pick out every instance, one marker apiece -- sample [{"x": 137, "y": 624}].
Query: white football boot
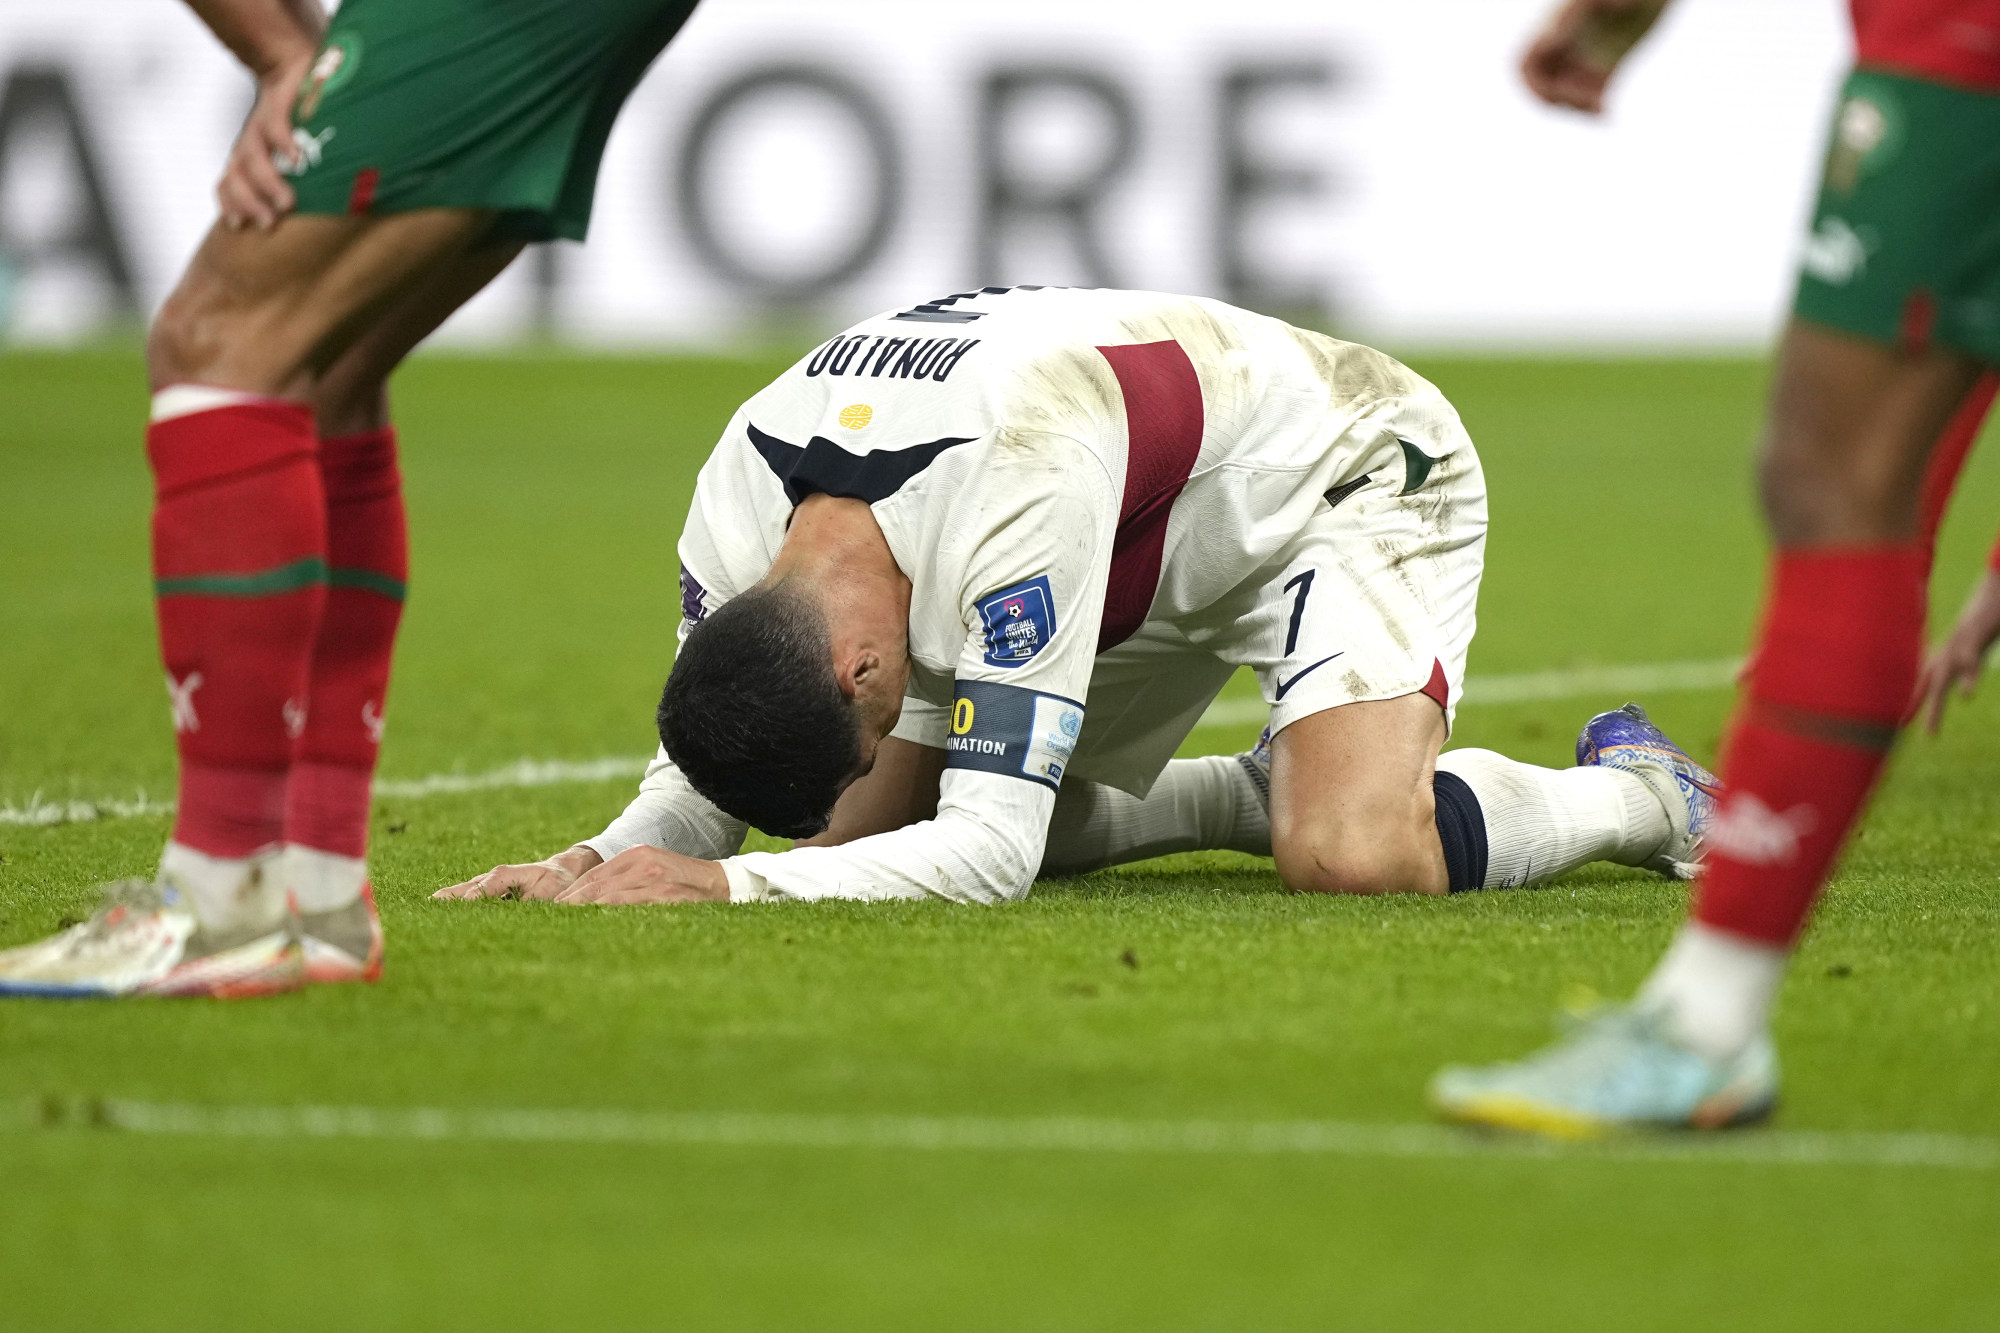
[
  {"x": 205, "y": 926},
  {"x": 338, "y": 923},
  {"x": 1618, "y": 1070}
]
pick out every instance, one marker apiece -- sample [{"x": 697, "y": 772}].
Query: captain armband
[{"x": 1009, "y": 730}]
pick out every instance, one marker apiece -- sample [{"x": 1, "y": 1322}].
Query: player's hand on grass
[
  {"x": 253, "y": 192},
  {"x": 1575, "y": 54},
  {"x": 649, "y": 875},
  {"x": 541, "y": 880},
  {"x": 1958, "y": 660}
]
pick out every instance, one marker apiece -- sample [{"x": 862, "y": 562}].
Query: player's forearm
[
  {"x": 961, "y": 856},
  {"x": 264, "y": 34},
  {"x": 1574, "y": 56}
]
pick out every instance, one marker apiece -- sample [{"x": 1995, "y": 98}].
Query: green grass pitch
[{"x": 546, "y": 495}]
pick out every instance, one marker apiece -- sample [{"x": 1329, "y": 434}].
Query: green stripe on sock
[
  {"x": 369, "y": 580},
  {"x": 285, "y": 578}
]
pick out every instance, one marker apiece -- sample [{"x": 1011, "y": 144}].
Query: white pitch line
[
  {"x": 1326, "y": 1138},
  {"x": 38, "y": 812},
  {"x": 520, "y": 773},
  {"x": 1650, "y": 678}
]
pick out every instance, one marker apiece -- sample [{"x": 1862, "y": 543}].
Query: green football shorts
[
  {"x": 500, "y": 104},
  {"x": 1905, "y": 241}
]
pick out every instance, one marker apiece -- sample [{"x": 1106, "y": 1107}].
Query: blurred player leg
[
  {"x": 420, "y": 131},
  {"x": 1881, "y": 386},
  {"x": 1854, "y": 425},
  {"x": 1882, "y": 381},
  {"x": 241, "y": 525},
  {"x": 1948, "y": 458},
  {"x": 333, "y": 758}
]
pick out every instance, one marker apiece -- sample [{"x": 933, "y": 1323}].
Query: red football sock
[
  {"x": 1836, "y": 664},
  {"x": 333, "y": 761},
  {"x": 239, "y": 566}
]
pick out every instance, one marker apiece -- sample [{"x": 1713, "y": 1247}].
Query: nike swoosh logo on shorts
[{"x": 1285, "y": 685}]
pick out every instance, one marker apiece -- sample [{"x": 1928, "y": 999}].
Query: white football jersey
[{"x": 1074, "y": 482}]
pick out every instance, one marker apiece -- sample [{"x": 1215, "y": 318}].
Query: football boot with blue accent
[
  {"x": 1627, "y": 740},
  {"x": 1256, "y": 762},
  {"x": 1617, "y": 1071}
]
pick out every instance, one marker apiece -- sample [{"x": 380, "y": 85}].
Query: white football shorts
[{"x": 1375, "y": 599}]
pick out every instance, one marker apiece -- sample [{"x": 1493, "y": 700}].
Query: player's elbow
[
  {"x": 998, "y": 866},
  {"x": 1005, "y": 879}
]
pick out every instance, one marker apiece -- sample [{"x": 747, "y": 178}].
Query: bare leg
[
  {"x": 1351, "y": 804},
  {"x": 351, "y": 394},
  {"x": 1853, "y": 425},
  {"x": 329, "y": 789},
  {"x": 1851, "y": 428},
  {"x": 243, "y": 529},
  {"x": 269, "y": 312}
]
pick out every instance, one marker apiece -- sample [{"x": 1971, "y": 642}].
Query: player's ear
[{"x": 857, "y": 672}]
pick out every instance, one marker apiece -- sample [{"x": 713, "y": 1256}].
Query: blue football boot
[
  {"x": 1618, "y": 1071},
  {"x": 1626, "y": 739}
]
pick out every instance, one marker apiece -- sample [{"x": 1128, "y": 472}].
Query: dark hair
[{"x": 754, "y": 717}]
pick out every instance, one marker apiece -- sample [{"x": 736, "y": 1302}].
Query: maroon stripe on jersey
[
  {"x": 1437, "y": 688},
  {"x": 1163, "y": 419}
]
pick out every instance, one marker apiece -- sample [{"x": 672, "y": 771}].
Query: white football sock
[
  {"x": 321, "y": 881},
  {"x": 1715, "y": 989},
  {"x": 1544, "y": 822},
  {"x": 1196, "y": 805},
  {"x": 226, "y": 892}
]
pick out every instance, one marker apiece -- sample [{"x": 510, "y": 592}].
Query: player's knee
[
  {"x": 1817, "y": 487},
  {"x": 1331, "y": 862},
  {"x": 203, "y": 334},
  {"x": 175, "y": 344}
]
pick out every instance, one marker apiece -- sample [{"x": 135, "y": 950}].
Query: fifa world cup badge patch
[{"x": 1019, "y": 622}]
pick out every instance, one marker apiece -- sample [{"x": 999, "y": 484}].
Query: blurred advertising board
[{"x": 787, "y": 166}]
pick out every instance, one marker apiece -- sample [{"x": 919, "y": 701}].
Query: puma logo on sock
[
  {"x": 1751, "y": 832},
  {"x": 180, "y": 694}
]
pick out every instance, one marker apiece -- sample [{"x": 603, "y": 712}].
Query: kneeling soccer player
[{"x": 958, "y": 583}]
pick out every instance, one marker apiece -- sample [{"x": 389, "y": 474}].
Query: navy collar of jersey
[{"x": 824, "y": 468}]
